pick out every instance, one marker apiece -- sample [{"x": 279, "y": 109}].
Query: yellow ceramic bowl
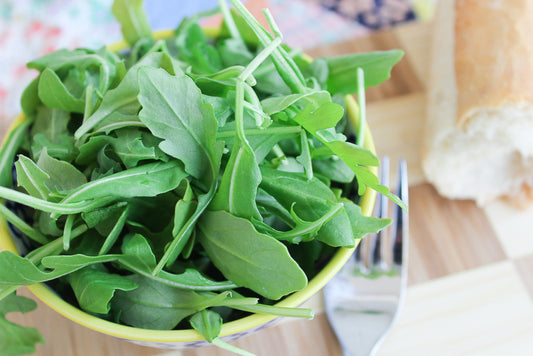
[{"x": 190, "y": 338}]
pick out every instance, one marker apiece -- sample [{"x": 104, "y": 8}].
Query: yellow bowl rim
[{"x": 249, "y": 322}]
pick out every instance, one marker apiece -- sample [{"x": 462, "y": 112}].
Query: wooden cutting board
[{"x": 470, "y": 283}]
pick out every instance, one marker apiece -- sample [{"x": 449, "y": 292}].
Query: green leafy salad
[{"x": 186, "y": 181}]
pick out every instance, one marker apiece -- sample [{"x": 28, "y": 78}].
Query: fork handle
[{"x": 371, "y": 352}]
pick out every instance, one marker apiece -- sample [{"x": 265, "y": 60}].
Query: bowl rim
[{"x": 48, "y": 297}]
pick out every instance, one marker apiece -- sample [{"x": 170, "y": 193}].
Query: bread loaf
[{"x": 479, "y": 133}]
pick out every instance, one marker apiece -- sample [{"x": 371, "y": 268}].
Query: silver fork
[{"x": 363, "y": 300}]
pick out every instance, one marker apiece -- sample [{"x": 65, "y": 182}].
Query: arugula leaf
[
  {"x": 130, "y": 145},
  {"x": 107, "y": 165},
  {"x": 8, "y": 151},
  {"x": 274, "y": 104},
  {"x": 194, "y": 49},
  {"x": 46, "y": 224},
  {"x": 342, "y": 77},
  {"x": 268, "y": 204},
  {"x": 183, "y": 211},
  {"x": 71, "y": 263},
  {"x": 94, "y": 288},
  {"x": 186, "y": 230},
  {"x": 157, "y": 306},
  {"x": 16, "y": 339},
  {"x": 303, "y": 230},
  {"x": 50, "y": 131},
  {"x": 52, "y": 123},
  {"x": 133, "y": 19},
  {"x": 356, "y": 157},
  {"x": 233, "y": 52},
  {"x": 20, "y": 224},
  {"x": 32, "y": 178},
  {"x": 181, "y": 121},
  {"x": 63, "y": 175},
  {"x": 103, "y": 219},
  {"x": 232, "y": 18},
  {"x": 172, "y": 108},
  {"x": 305, "y": 157},
  {"x": 241, "y": 177},
  {"x": 334, "y": 169},
  {"x": 120, "y": 106},
  {"x": 155, "y": 213},
  {"x": 51, "y": 207},
  {"x": 139, "y": 258},
  {"x": 353, "y": 155},
  {"x": 257, "y": 261},
  {"x": 221, "y": 108},
  {"x": 310, "y": 199},
  {"x": 113, "y": 235},
  {"x": 29, "y": 100},
  {"x": 78, "y": 63},
  {"x": 209, "y": 324},
  {"x": 146, "y": 180},
  {"x": 361, "y": 224},
  {"x": 135, "y": 245},
  {"x": 54, "y": 93},
  {"x": 238, "y": 187},
  {"x": 261, "y": 141},
  {"x": 285, "y": 66},
  {"x": 64, "y": 58},
  {"x": 18, "y": 271},
  {"x": 62, "y": 148},
  {"x": 238, "y": 303},
  {"x": 319, "y": 120}
]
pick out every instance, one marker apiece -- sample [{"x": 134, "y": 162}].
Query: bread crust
[
  {"x": 478, "y": 140},
  {"x": 493, "y": 54}
]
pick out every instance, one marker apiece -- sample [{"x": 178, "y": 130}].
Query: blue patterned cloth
[{"x": 374, "y": 14}]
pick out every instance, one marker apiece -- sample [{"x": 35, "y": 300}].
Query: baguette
[{"x": 479, "y": 130}]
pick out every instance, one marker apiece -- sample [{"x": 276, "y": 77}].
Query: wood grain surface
[{"x": 469, "y": 280}]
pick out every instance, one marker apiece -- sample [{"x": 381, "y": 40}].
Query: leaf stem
[
  {"x": 20, "y": 224},
  {"x": 260, "y": 58},
  {"x": 7, "y": 291},
  {"x": 55, "y": 246},
  {"x": 8, "y": 151},
  {"x": 229, "y": 347},
  {"x": 272, "y": 23},
  {"x": 37, "y": 255},
  {"x": 292, "y": 78},
  {"x": 88, "y": 101},
  {"x": 253, "y": 105},
  {"x": 294, "y": 233},
  {"x": 228, "y": 19},
  {"x": 239, "y": 110},
  {"x": 67, "y": 232},
  {"x": 276, "y": 149},
  {"x": 362, "y": 106},
  {"x": 279, "y": 311},
  {"x": 279, "y": 130},
  {"x": 115, "y": 232},
  {"x": 133, "y": 267},
  {"x": 228, "y": 302},
  {"x": 50, "y": 207},
  {"x": 203, "y": 202}
]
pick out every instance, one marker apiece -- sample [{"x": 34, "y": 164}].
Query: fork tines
[{"x": 384, "y": 252}]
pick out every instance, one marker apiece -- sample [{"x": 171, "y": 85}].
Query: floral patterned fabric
[
  {"x": 32, "y": 28},
  {"x": 29, "y": 29}
]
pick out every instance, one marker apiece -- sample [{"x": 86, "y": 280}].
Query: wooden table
[{"x": 470, "y": 279}]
